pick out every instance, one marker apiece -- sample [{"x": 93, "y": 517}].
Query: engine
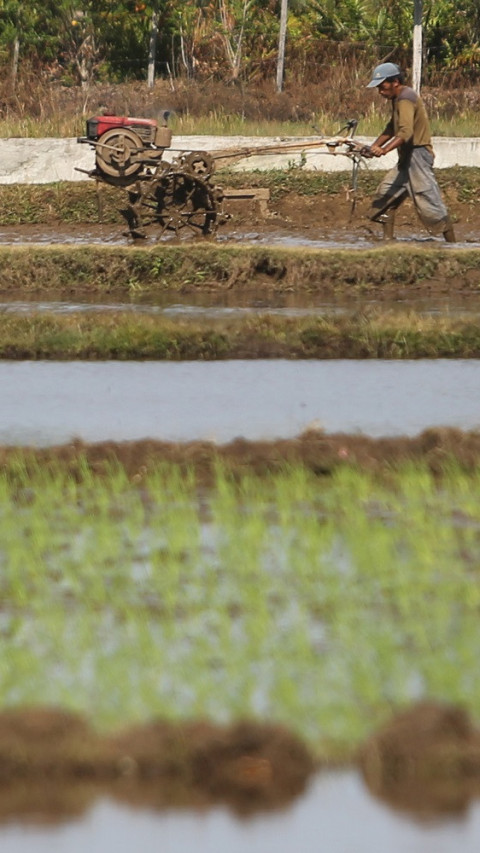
[{"x": 124, "y": 146}]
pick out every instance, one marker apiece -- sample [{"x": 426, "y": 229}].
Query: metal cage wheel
[{"x": 200, "y": 163}]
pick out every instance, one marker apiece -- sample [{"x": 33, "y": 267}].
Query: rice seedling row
[{"x": 322, "y": 603}]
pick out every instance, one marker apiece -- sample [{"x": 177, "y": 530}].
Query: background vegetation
[
  {"x": 217, "y": 59},
  {"x": 230, "y": 39}
]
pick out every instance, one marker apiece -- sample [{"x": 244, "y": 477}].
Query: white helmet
[{"x": 382, "y": 72}]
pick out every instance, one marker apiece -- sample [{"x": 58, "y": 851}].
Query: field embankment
[
  {"x": 122, "y": 336},
  {"x": 126, "y": 270}
]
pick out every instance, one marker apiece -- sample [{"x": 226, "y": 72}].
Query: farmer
[{"x": 408, "y": 131}]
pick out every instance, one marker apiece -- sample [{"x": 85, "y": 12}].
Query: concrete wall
[{"x": 40, "y": 161}]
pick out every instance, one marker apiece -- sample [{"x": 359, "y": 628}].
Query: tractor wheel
[{"x": 175, "y": 199}]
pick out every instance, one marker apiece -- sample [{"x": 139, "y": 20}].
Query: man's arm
[
  {"x": 385, "y": 143},
  {"x": 376, "y": 148}
]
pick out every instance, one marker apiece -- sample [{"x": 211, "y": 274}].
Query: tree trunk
[
  {"x": 417, "y": 45},
  {"x": 152, "y": 48},
  {"x": 281, "y": 44},
  {"x": 15, "y": 54}
]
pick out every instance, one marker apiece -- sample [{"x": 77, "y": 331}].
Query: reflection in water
[
  {"x": 336, "y": 816},
  {"x": 45, "y": 403},
  {"x": 231, "y": 305}
]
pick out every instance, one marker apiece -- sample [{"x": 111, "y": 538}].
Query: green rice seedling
[{"x": 319, "y": 602}]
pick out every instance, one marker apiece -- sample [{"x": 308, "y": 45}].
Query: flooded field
[
  {"x": 323, "y": 601},
  {"x": 268, "y": 232},
  {"x": 320, "y": 602},
  {"x": 281, "y": 237},
  {"x": 52, "y": 402}
]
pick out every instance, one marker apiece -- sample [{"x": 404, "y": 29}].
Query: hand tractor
[{"x": 182, "y": 193}]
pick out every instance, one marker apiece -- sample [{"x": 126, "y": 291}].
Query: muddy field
[
  {"x": 336, "y": 219},
  {"x": 330, "y": 219},
  {"x": 309, "y": 242}
]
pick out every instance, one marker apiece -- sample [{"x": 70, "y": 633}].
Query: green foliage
[
  {"x": 36, "y": 25},
  {"x": 453, "y": 35},
  {"x": 233, "y": 39},
  {"x": 123, "y": 26}
]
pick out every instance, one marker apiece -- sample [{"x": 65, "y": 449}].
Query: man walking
[{"x": 408, "y": 131}]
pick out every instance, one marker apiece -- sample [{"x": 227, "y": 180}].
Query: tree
[
  {"x": 119, "y": 39},
  {"x": 33, "y": 26},
  {"x": 152, "y": 49},
  {"x": 233, "y": 18}
]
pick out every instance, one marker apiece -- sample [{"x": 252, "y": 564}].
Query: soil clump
[
  {"x": 54, "y": 763},
  {"x": 426, "y": 760}
]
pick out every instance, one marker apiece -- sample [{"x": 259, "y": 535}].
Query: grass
[
  {"x": 370, "y": 124},
  {"x": 214, "y": 267},
  {"x": 224, "y": 123},
  {"x": 321, "y": 604},
  {"x": 121, "y": 336}
]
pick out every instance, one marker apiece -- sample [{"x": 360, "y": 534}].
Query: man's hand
[
  {"x": 366, "y": 151},
  {"x": 377, "y": 151}
]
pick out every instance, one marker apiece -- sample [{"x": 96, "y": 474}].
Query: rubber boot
[
  {"x": 448, "y": 231},
  {"x": 388, "y": 225}
]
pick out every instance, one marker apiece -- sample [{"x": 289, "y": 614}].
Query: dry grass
[{"x": 39, "y": 108}]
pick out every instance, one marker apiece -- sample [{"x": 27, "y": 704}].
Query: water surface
[
  {"x": 336, "y": 816},
  {"x": 45, "y": 403},
  {"x": 230, "y": 305}
]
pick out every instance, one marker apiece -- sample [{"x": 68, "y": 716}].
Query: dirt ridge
[{"x": 322, "y": 453}]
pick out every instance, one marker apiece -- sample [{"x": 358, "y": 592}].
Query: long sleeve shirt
[{"x": 409, "y": 122}]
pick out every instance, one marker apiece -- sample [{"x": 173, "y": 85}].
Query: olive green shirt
[{"x": 409, "y": 122}]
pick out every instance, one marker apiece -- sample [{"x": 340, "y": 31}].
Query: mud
[
  {"x": 317, "y": 451},
  {"x": 337, "y": 218},
  {"x": 54, "y": 765},
  {"x": 205, "y": 307},
  {"x": 292, "y": 219},
  {"x": 426, "y": 760},
  {"x": 333, "y": 221},
  {"x": 306, "y": 245}
]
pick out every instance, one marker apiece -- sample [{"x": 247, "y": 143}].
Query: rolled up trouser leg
[{"x": 390, "y": 194}]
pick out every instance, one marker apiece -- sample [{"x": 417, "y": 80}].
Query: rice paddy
[{"x": 322, "y": 603}]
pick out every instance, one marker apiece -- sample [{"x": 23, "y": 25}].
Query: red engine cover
[
  {"x": 108, "y": 121},
  {"x": 145, "y": 127}
]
